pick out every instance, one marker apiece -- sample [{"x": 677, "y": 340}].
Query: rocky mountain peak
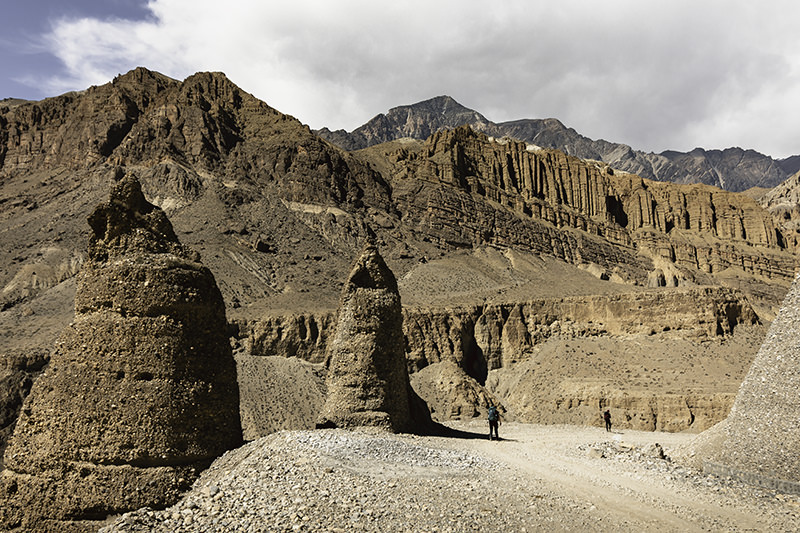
[
  {"x": 417, "y": 121},
  {"x": 144, "y": 80}
]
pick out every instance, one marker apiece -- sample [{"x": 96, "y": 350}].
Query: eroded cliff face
[
  {"x": 783, "y": 202},
  {"x": 482, "y": 339},
  {"x": 455, "y": 183}
]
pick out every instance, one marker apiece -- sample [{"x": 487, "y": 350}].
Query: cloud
[{"x": 654, "y": 75}]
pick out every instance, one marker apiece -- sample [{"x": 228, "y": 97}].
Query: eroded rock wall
[
  {"x": 456, "y": 183},
  {"x": 485, "y": 338}
]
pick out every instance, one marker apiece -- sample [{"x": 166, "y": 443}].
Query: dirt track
[{"x": 627, "y": 490}]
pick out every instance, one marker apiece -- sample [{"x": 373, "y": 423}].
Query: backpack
[{"x": 493, "y": 416}]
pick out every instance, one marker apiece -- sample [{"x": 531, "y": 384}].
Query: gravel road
[{"x": 538, "y": 478}]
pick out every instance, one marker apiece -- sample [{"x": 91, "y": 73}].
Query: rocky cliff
[
  {"x": 507, "y": 338},
  {"x": 783, "y": 202},
  {"x": 732, "y": 169},
  {"x": 467, "y": 189}
]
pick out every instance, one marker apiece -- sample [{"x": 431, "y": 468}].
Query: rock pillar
[
  {"x": 140, "y": 394},
  {"x": 368, "y": 382}
]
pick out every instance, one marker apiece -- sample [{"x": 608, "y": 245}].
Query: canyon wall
[
  {"x": 482, "y": 339},
  {"x": 455, "y": 183}
]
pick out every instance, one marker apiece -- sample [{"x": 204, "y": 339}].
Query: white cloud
[{"x": 654, "y": 75}]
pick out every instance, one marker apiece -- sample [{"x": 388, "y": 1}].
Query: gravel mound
[{"x": 337, "y": 480}]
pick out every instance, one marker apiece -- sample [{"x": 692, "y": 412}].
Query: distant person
[
  {"x": 607, "y": 418},
  {"x": 494, "y": 421}
]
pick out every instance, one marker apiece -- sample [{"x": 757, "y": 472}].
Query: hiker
[
  {"x": 494, "y": 421},
  {"x": 607, "y": 418}
]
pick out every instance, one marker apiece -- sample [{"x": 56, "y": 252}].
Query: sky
[{"x": 657, "y": 75}]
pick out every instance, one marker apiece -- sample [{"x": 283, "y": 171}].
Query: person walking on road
[{"x": 494, "y": 421}]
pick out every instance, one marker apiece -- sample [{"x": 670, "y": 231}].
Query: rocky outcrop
[
  {"x": 759, "y": 439},
  {"x": 305, "y": 336},
  {"x": 451, "y": 394},
  {"x": 140, "y": 394},
  {"x": 367, "y": 377}
]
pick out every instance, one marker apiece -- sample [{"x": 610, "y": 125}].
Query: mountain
[
  {"x": 733, "y": 169},
  {"x": 418, "y": 121},
  {"x": 502, "y": 249}
]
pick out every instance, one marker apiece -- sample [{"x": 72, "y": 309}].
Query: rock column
[
  {"x": 140, "y": 394},
  {"x": 367, "y": 379}
]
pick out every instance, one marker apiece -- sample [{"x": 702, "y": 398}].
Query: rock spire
[
  {"x": 762, "y": 432},
  {"x": 368, "y": 382},
  {"x": 140, "y": 394}
]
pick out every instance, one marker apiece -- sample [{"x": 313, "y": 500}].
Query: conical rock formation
[
  {"x": 367, "y": 379},
  {"x": 140, "y": 394},
  {"x": 760, "y": 440}
]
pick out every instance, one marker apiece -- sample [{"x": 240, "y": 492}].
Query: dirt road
[
  {"x": 537, "y": 478},
  {"x": 619, "y": 479}
]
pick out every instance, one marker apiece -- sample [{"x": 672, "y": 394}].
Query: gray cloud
[{"x": 660, "y": 75}]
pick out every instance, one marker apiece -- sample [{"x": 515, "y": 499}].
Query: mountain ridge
[{"x": 733, "y": 169}]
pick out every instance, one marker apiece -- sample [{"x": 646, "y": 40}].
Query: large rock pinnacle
[
  {"x": 368, "y": 381},
  {"x": 140, "y": 394},
  {"x": 763, "y": 428}
]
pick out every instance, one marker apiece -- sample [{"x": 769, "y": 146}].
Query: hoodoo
[
  {"x": 140, "y": 394},
  {"x": 368, "y": 382},
  {"x": 760, "y": 439}
]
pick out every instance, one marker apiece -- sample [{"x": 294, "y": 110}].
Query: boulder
[{"x": 140, "y": 394}]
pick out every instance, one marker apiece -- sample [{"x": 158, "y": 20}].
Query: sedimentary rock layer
[
  {"x": 455, "y": 184},
  {"x": 485, "y": 338},
  {"x": 503, "y": 332}
]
